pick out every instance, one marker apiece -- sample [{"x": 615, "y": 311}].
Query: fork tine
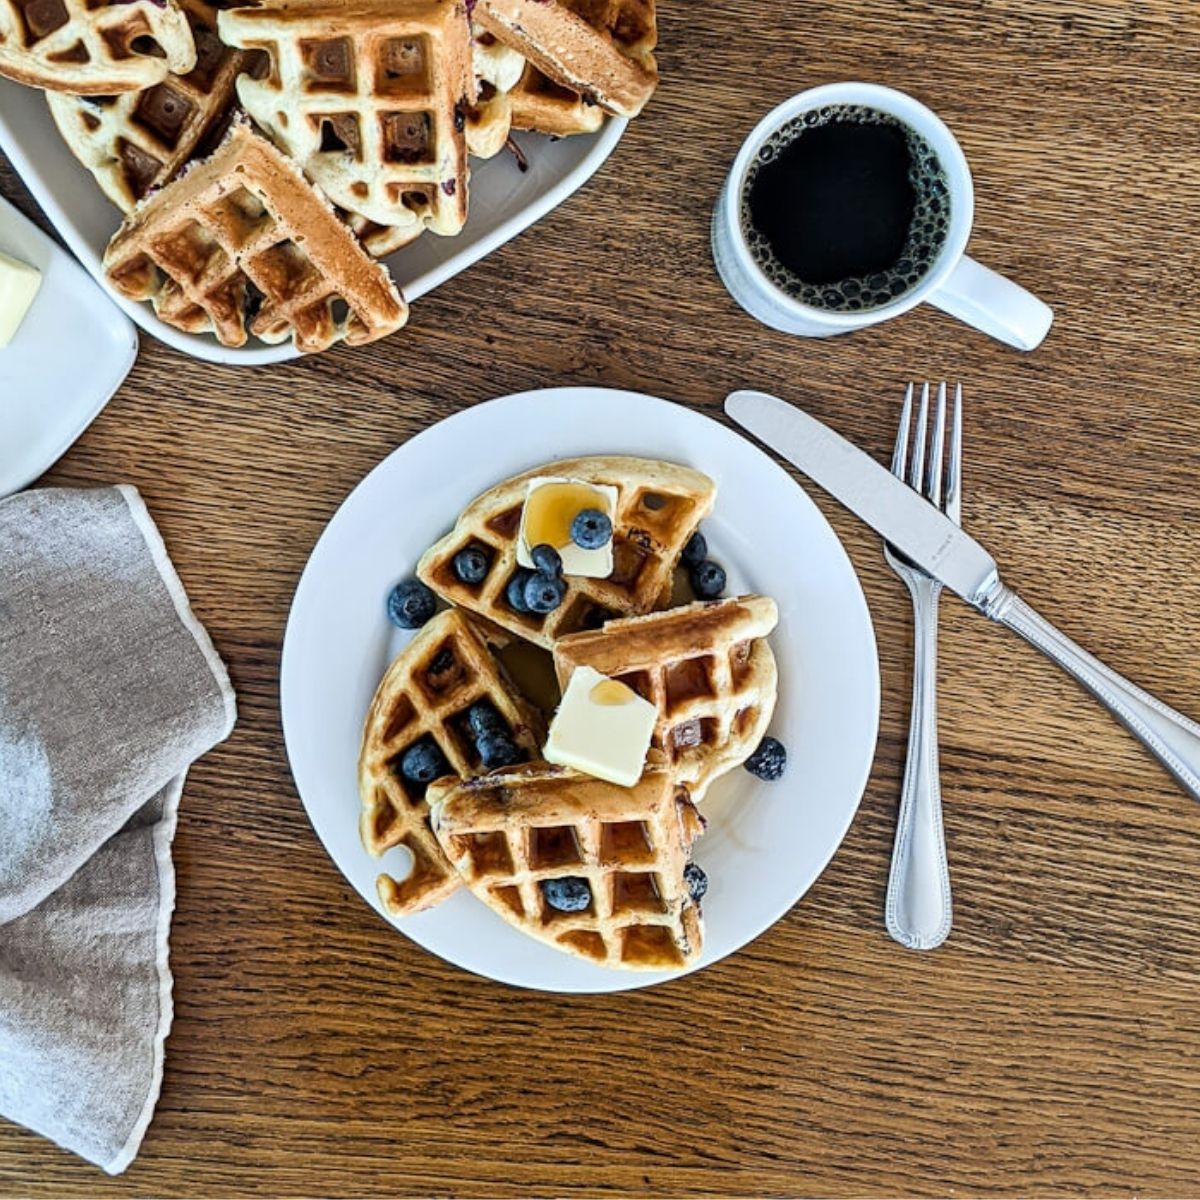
[
  {"x": 900, "y": 453},
  {"x": 953, "y": 505},
  {"x": 937, "y": 446},
  {"x": 916, "y": 469}
]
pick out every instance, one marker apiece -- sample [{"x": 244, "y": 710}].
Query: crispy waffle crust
[
  {"x": 509, "y": 831},
  {"x": 539, "y": 104},
  {"x": 381, "y": 240},
  {"x": 514, "y": 94},
  {"x": 426, "y": 692},
  {"x": 134, "y": 141},
  {"x": 602, "y": 49},
  {"x": 94, "y": 47},
  {"x": 370, "y": 97},
  {"x": 244, "y": 228},
  {"x": 659, "y": 506},
  {"x": 707, "y": 668}
]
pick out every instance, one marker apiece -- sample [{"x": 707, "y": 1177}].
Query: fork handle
[
  {"x": 1170, "y": 736},
  {"x": 917, "y": 911}
]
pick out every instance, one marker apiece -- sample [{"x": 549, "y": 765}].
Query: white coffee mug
[{"x": 955, "y": 283}]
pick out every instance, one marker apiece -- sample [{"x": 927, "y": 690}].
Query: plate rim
[{"x": 628, "y": 980}]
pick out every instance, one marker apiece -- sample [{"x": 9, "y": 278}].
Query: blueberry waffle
[
  {"x": 658, "y": 507},
  {"x": 587, "y": 867},
  {"x": 134, "y": 141},
  {"x": 498, "y": 69},
  {"x": 370, "y": 97},
  {"x": 445, "y": 706},
  {"x": 601, "y": 49},
  {"x": 539, "y": 104}
]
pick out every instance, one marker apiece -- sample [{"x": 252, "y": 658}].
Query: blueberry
[
  {"x": 696, "y": 551},
  {"x": 544, "y": 593},
  {"x": 546, "y": 560},
  {"x": 591, "y": 529},
  {"x": 498, "y": 750},
  {"x": 484, "y": 720},
  {"x": 411, "y": 604},
  {"x": 471, "y": 564},
  {"x": 769, "y": 760},
  {"x": 515, "y": 592},
  {"x": 696, "y": 881},
  {"x": 569, "y": 894},
  {"x": 708, "y": 579},
  {"x": 423, "y": 762}
]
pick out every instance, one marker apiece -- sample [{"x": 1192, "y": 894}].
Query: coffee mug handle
[{"x": 994, "y": 305}]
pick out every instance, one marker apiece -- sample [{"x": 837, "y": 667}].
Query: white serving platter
[
  {"x": 766, "y": 842},
  {"x": 504, "y": 201},
  {"x": 70, "y": 354}
]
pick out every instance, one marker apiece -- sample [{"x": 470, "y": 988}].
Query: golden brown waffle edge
[
  {"x": 245, "y": 228},
  {"x": 515, "y": 828}
]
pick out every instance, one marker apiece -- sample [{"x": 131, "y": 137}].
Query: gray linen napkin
[{"x": 109, "y": 690}]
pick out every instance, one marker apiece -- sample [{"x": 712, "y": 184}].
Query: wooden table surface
[{"x": 1053, "y": 1045}]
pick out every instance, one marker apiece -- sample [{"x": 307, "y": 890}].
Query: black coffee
[{"x": 845, "y": 208}]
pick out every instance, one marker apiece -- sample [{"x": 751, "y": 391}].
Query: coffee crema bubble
[{"x": 845, "y": 208}]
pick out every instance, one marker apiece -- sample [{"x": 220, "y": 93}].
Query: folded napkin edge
[
  {"x": 163, "y": 835},
  {"x": 164, "y": 832},
  {"x": 174, "y": 585}
]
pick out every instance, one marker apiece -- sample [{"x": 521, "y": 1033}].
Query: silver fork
[{"x": 918, "y": 911}]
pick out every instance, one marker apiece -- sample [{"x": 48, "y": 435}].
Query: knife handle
[
  {"x": 1170, "y": 736},
  {"x": 917, "y": 911}
]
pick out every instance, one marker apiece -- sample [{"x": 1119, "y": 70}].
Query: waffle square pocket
[{"x": 134, "y": 141}]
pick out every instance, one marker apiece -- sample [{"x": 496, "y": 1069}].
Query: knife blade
[
  {"x": 935, "y": 543},
  {"x": 873, "y": 493}
]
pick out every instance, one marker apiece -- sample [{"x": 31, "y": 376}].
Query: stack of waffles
[
  {"x": 505, "y": 834},
  {"x": 357, "y": 115}
]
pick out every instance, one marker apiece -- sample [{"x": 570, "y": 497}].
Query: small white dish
[
  {"x": 766, "y": 842},
  {"x": 69, "y": 356},
  {"x": 504, "y": 201}
]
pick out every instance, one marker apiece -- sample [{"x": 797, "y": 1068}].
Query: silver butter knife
[{"x": 939, "y": 546}]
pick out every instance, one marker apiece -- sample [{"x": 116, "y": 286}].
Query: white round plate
[{"x": 766, "y": 842}]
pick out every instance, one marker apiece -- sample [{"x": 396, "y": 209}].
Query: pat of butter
[
  {"x": 551, "y": 504},
  {"x": 19, "y": 283},
  {"x": 602, "y": 728}
]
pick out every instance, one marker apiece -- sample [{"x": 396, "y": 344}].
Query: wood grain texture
[{"x": 1053, "y": 1046}]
